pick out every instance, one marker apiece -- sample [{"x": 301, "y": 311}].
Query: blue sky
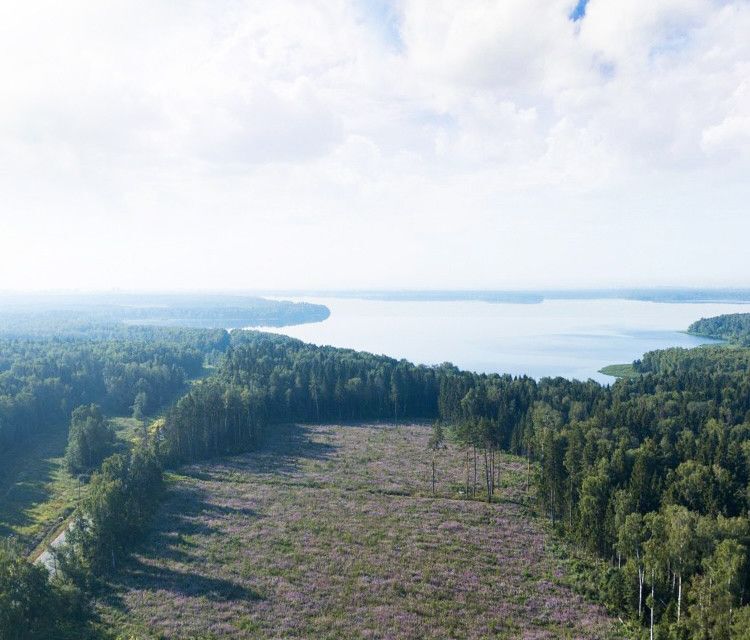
[
  {"x": 374, "y": 144},
  {"x": 384, "y": 18},
  {"x": 579, "y": 11}
]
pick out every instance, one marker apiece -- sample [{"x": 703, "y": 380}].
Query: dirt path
[{"x": 45, "y": 555}]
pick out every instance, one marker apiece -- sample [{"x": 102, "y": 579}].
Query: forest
[
  {"x": 733, "y": 327},
  {"x": 650, "y": 474},
  {"x": 24, "y": 314},
  {"x": 42, "y": 379}
]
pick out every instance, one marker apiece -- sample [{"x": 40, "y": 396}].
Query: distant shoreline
[{"x": 530, "y": 296}]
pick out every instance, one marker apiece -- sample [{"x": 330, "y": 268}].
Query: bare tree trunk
[
  {"x": 499, "y": 467},
  {"x": 570, "y": 513},
  {"x": 474, "y": 488},
  {"x": 467, "y": 472},
  {"x": 488, "y": 476},
  {"x": 653, "y": 605},
  {"x": 640, "y": 591},
  {"x": 433, "y": 475},
  {"x": 679, "y": 596},
  {"x": 528, "y": 468},
  {"x": 492, "y": 473}
]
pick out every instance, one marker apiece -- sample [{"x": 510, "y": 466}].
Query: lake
[{"x": 570, "y": 338}]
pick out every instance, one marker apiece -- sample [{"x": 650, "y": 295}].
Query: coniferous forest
[{"x": 650, "y": 474}]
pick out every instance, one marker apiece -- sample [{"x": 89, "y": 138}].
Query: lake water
[{"x": 571, "y": 338}]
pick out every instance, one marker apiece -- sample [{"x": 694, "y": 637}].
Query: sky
[{"x": 404, "y": 144}]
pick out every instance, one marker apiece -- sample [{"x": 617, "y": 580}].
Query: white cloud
[{"x": 275, "y": 144}]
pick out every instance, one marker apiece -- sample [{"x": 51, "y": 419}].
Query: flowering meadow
[{"x": 333, "y": 532}]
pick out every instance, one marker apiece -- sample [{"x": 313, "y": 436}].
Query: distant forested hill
[
  {"x": 732, "y": 327},
  {"x": 24, "y": 314}
]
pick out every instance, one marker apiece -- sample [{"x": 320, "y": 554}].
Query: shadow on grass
[
  {"x": 180, "y": 584},
  {"x": 26, "y": 473},
  {"x": 188, "y": 513},
  {"x": 280, "y": 453},
  {"x": 171, "y": 546},
  {"x": 22, "y": 495}
]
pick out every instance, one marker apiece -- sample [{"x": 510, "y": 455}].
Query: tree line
[
  {"x": 112, "y": 517},
  {"x": 39, "y": 314},
  {"x": 59, "y": 375},
  {"x": 266, "y": 379}
]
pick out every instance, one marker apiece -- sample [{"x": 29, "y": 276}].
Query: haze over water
[{"x": 570, "y": 338}]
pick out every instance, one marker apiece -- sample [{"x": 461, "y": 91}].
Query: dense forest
[
  {"x": 265, "y": 378},
  {"x": 66, "y": 362},
  {"x": 24, "y": 314},
  {"x": 651, "y": 474},
  {"x": 733, "y": 327},
  {"x": 42, "y": 379}
]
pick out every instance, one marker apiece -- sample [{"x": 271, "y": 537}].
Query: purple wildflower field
[{"x": 332, "y": 532}]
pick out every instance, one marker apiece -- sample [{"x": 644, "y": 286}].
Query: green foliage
[
  {"x": 121, "y": 499},
  {"x": 651, "y": 473},
  {"x": 34, "y": 608},
  {"x": 104, "y": 314},
  {"x": 90, "y": 439},
  {"x": 43, "y": 378},
  {"x": 733, "y": 327},
  {"x": 654, "y": 475},
  {"x": 267, "y": 379},
  {"x": 437, "y": 438},
  {"x": 140, "y": 405}
]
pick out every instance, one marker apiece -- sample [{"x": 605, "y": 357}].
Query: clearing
[{"x": 332, "y": 532}]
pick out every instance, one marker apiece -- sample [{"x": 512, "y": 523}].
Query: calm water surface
[{"x": 571, "y": 338}]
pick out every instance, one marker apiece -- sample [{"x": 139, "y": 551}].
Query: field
[{"x": 332, "y": 532}]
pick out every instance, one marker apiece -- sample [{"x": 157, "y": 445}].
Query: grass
[
  {"x": 620, "y": 371},
  {"x": 332, "y": 532},
  {"x": 37, "y": 493}
]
